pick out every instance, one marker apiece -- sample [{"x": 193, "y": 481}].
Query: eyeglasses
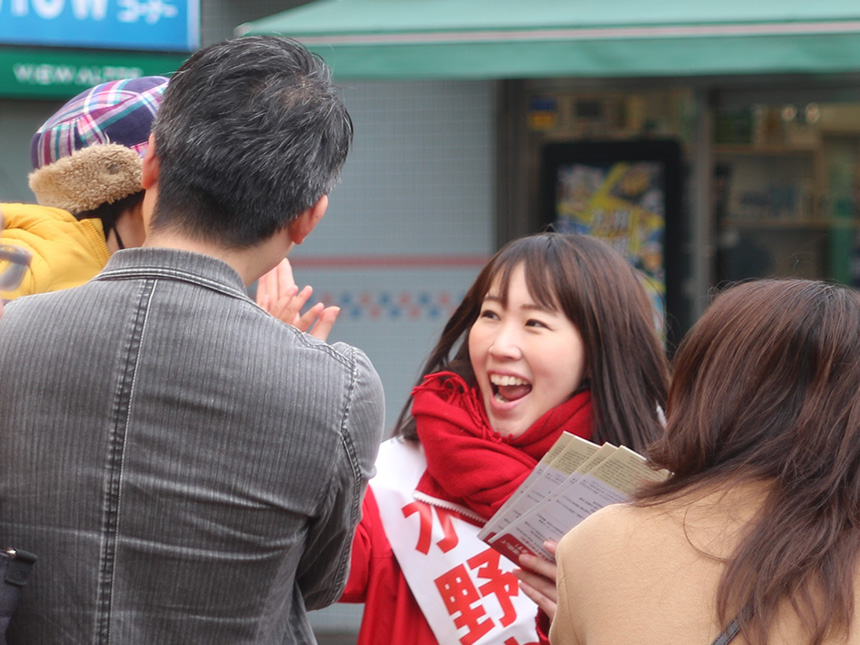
[{"x": 13, "y": 266}]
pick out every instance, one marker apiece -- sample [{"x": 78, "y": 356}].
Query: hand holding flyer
[{"x": 575, "y": 479}]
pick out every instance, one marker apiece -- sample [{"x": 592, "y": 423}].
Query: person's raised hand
[{"x": 278, "y": 294}]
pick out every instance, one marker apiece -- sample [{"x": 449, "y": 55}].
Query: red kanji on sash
[
  {"x": 425, "y": 531},
  {"x": 459, "y": 594},
  {"x": 502, "y": 584}
]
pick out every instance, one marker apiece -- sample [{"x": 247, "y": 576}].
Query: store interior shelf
[
  {"x": 769, "y": 150},
  {"x": 792, "y": 223}
]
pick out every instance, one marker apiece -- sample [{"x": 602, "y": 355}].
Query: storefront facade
[
  {"x": 770, "y": 169},
  {"x": 760, "y": 100}
]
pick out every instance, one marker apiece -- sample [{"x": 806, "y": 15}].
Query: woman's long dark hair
[
  {"x": 766, "y": 388},
  {"x": 598, "y": 291}
]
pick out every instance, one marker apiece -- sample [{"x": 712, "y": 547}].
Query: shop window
[{"x": 786, "y": 181}]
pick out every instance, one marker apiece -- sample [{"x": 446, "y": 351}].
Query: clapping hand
[{"x": 278, "y": 294}]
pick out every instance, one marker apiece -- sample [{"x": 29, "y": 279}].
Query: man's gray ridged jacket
[{"x": 187, "y": 468}]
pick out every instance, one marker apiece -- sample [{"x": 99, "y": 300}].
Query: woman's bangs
[{"x": 537, "y": 273}]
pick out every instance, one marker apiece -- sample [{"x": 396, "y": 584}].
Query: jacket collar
[{"x": 173, "y": 264}]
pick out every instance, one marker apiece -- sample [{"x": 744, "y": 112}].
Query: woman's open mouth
[{"x": 508, "y": 388}]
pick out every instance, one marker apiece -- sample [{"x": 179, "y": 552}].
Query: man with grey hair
[{"x": 188, "y": 468}]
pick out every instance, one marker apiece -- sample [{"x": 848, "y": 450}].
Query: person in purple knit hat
[{"x": 87, "y": 161}]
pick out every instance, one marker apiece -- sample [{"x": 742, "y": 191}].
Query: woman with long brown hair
[
  {"x": 555, "y": 335},
  {"x": 754, "y": 536}
]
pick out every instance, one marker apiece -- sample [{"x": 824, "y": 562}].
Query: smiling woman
[
  {"x": 526, "y": 358},
  {"x": 555, "y": 335}
]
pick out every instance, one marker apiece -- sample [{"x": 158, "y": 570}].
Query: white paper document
[{"x": 575, "y": 479}]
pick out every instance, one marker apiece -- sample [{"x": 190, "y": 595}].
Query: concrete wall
[{"x": 18, "y": 121}]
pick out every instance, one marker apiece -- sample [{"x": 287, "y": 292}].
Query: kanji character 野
[
  {"x": 459, "y": 594},
  {"x": 503, "y": 584}
]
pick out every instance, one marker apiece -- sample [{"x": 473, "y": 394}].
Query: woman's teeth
[
  {"x": 499, "y": 379},
  {"x": 508, "y": 388}
]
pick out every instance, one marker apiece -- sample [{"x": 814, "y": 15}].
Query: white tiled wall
[
  {"x": 418, "y": 184},
  {"x": 411, "y": 221}
]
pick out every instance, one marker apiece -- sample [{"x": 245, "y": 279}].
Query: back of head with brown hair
[
  {"x": 766, "y": 387},
  {"x": 599, "y": 292}
]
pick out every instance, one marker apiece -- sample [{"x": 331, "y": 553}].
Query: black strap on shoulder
[{"x": 728, "y": 634}]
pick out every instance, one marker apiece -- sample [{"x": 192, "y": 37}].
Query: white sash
[{"x": 465, "y": 588}]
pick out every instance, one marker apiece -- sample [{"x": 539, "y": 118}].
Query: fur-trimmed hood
[{"x": 88, "y": 178}]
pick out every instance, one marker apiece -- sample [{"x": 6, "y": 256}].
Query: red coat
[{"x": 391, "y": 613}]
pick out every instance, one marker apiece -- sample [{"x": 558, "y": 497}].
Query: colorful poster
[{"x": 623, "y": 203}]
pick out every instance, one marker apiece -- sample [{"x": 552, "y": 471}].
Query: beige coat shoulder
[{"x": 626, "y": 569}]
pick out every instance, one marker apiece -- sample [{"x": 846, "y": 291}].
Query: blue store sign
[{"x": 158, "y": 25}]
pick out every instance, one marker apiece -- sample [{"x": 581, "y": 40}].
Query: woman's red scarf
[{"x": 468, "y": 462}]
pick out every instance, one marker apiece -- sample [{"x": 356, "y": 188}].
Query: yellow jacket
[{"x": 66, "y": 252}]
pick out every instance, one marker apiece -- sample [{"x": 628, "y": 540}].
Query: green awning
[{"x": 398, "y": 39}]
